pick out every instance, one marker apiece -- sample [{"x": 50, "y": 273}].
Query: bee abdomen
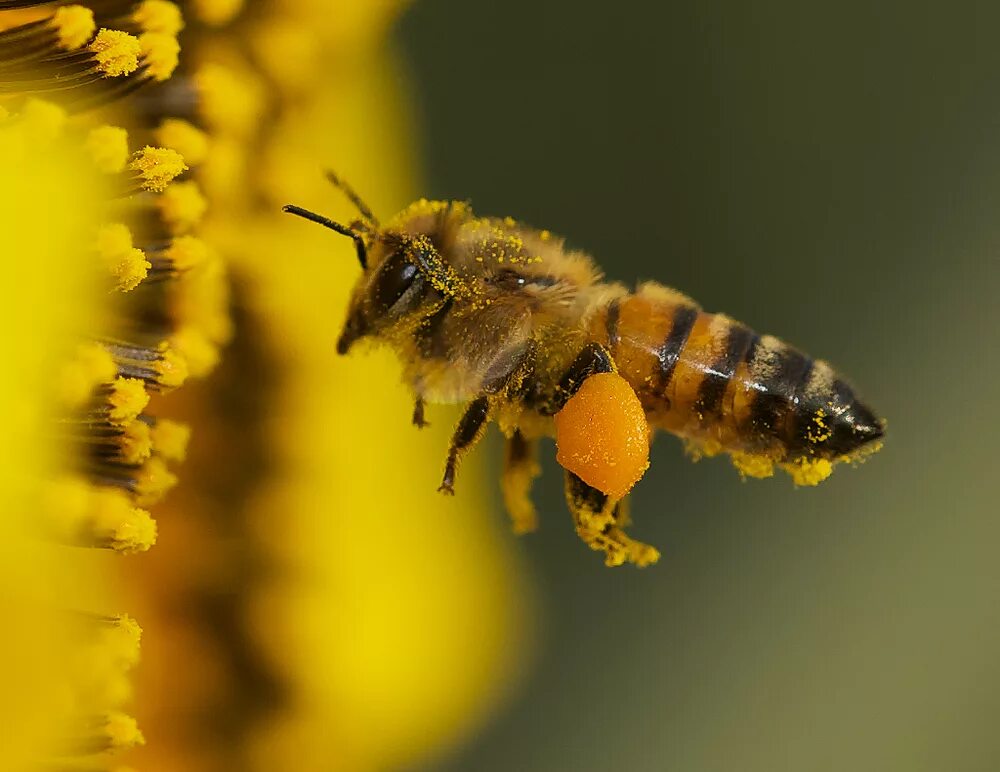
[
  {"x": 828, "y": 420},
  {"x": 804, "y": 405},
  {"x": 723, "y": 387}
]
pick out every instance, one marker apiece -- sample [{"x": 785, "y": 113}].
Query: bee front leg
[
  {"x": 520, "y": 468},
  {"x": 599, "y": 521},
  {"x": 418, "y": 413},
  {"x": 470, "y": 429}
]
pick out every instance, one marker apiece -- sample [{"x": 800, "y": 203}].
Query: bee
[{"x": 522, "y": 330}]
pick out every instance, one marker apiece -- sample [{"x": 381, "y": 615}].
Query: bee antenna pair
[{"x": 368, "y": 220}]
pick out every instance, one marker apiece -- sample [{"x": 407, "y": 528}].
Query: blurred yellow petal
[{"x": 386, "y": 559}]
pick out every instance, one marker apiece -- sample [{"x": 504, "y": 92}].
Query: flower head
[
  {"x": 95, "y": 278},
  {"x": 277, "y": 578}
]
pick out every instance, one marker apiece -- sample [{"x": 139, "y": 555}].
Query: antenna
[
  {"x": 354, "y": 198},
  {"x": 326, "y": 222}
]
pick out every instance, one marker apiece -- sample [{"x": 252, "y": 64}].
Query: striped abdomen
[{"x": 717, "y": 383}]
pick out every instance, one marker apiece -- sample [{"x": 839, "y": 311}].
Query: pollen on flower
[
  {"x": 182, "y": 206},
  {"x": 121, "y": 731},
  {"x": 170, "y": 438},
  {"x": 808, "y": 471},
  {"x": 119, "y": 638},
  {"x": 111, "y": 650},
  {"x": 202, "y": 301},
  {"x": 157, "y": 167},
  {"x": 108, "y": 444},
  {"x": 158, "y": 16},
  {"x": 127, "y": 398},
  {"x": 115, "y": 52},
  {"x": 135, "y": 534},
  {"x": 104, "y": 680},
  {"x": 113, "y": 690},
  {"x": 230, "y": 101},
  {"x": 217, "y": 12},
  {"x": 159, "y": 366},
  {"x": 160, "y": 54},
  {"x": 200, "y": 306},
  {"x": 115, "y": 523},
  {"x": 199, "y": 353},
  {"x": 108, "y": 146},
  {"x": 74, "y": 26},
  {"x": 66, "y": 505},
  {"x": 44, "y": 120},
  {"x": 136, "y": 442},
  {"x": 152, "y": 481},
  {"x": 90, "y": 366},
  {"x": 184, "y": 137},
  {"x": 109, "y": 458},
  {"x": 78, "y": 513},
  {"x": 186, "y": 252},
  {"x": 171, "y": 369},
  {"x": 126, "y": 263}
]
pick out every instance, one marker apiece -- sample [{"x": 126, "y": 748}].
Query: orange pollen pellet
[{"x": 602, "y": 435}]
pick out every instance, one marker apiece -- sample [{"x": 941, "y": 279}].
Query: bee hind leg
[
  {"x": 592, "y": 359},
  {"x": 470, "y": 429},
  {"x": 520, "y": 468},
  {"x": 599, "y": 522}
]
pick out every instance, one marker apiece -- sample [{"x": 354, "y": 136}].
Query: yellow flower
[
  {"x": 95, "y": 282},
  {"x": 65, "y": 659},
  {"x": 298, "y": 608}
]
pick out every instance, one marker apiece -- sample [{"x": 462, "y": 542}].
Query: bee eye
[{"x": 394, "y": 279}]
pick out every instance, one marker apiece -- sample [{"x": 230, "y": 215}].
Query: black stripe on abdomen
[
  {"x": 739, "y": 341},
  {"x": 670, "y": 350},
  {"x": 778, "y": 388}
]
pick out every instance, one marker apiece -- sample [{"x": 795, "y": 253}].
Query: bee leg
[
  {"x": 520, "y": 468},
  {"x": 592, "y": 359},
  {"x": 623, "y": 513},
  {"x": 470, "y": 429},
  {"x": 418, "y": 413},
  {"x": 599, "y": 522}
]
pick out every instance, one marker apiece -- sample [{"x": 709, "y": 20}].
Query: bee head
[
  {"x": 400, "y": 271},
  {"x": 394, "y": 287}
]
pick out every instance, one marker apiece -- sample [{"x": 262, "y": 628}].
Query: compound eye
[{"x": 394, "y": 278}]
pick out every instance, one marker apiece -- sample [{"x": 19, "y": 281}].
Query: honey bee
[{"x": 507, "y": 320}]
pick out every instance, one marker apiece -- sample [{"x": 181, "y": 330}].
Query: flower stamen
[{"x": 156, "y": 167}]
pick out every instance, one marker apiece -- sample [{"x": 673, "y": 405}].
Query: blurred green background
[{"x": 829, "y": 173}]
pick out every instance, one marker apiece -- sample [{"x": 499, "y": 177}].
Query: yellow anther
[
  {"x": 160, "y": 54},
  {"x": 108, "y": 146},
  {"x": 188, "y": 140},
  {"x": 74, "y": 26},
  {"x": 128, "y": 398},
  {"x": 126, "y": 263},
  {"x": 116, "y": 52},
  {"x": 158, "y": 16},
  {"x": 170, "y": 439},
  {"x": 157, "y": 166},
  {"x": 182, "y": 206}
]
